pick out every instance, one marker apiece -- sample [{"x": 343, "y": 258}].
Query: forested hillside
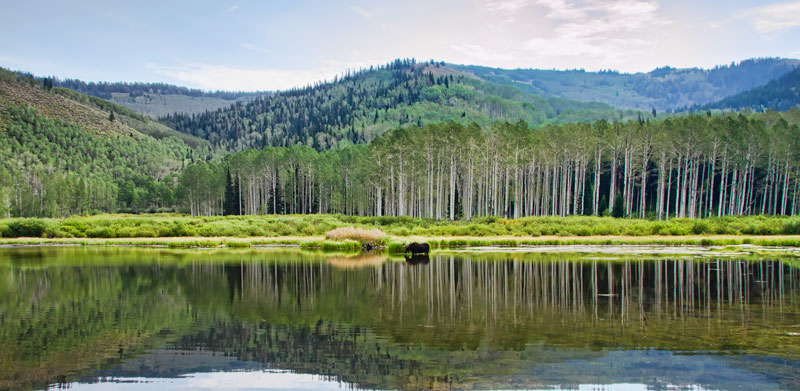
[
  {"x": 360, "y": 106},
  {"x": 780, "y": 94},
  {"x": 65, "y": 153},
  {"x": 691, "y": 166},
  {"x": 664, "y": 89},
  {"x": 405, "y": 139}
]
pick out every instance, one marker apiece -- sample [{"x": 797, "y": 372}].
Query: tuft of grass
[
  {"x": 372, "y": 236},
  {"x": 343, "y": 246},
  {"x": 395, "y": 248}
]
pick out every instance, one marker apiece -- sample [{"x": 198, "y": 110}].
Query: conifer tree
[{"x": 231, "y": 203}]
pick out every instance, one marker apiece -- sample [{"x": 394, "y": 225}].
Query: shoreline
[{"x": 437, "y": 242}]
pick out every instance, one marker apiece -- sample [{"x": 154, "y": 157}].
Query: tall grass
[
  {"x": 373, "y": 236},
  {"x": 367, "y": 228}
]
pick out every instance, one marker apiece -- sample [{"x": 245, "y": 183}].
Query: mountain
[
  {"x": 780, "y": 94},
  {"x": 664, "y": 89},
  {"x": 362, "y": 105},
  {"x": 64, "y": 153},
  {"x": 157, "y": 99}
]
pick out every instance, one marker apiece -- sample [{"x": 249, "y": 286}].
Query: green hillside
[
  {"x": 780, "y": 94},
  {"x": 361, "y": 106},
  {"x": 664, "y": 89},
  {"x": 65, "y": 153}
]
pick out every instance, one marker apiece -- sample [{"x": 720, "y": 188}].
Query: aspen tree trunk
[
  {"x": 732, "y": 197},
  {"x": 645, "y": 160},
  {"x": 723, "y": 187},
  {"x": 453, "y": 188},
  {"x": 710, "y": 202},
  {"x": 378, "y": 201},
  {"x": 625, "y": 188},
  {"x": 750, "y": 191},
  {"x": 669, "y": 187},
  {"x": 785, "y": 195},
  {"x": 766, "y": 186},
  {"x": 597, "y": 172},
  {"x": 613, "y": 187},
  {"x": 796, "y": 188}
]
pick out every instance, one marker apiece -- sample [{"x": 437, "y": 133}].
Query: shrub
[
  {"x": 701, "y": 227},
  {"x": 792, "y": 227},
  {"x": 363, "y": 236},
  {"x": 395, "y": 248},
  {"x": 31, "y": 228}
]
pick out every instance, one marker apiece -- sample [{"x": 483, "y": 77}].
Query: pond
[{"x": 99, "y": 318}]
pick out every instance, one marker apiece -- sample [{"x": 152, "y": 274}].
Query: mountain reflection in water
[{"x": 83, "y": 317}]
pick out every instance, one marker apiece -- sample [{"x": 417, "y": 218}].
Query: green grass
[
  {"x": 308, "y": 231},
  {"x": 173, "y": 225}
]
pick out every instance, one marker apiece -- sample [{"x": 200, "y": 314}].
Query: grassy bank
[
  {"x": 395, "y": 243},
  {"x": 304, "y": 226},
  {"x": 309, "y": 231}
]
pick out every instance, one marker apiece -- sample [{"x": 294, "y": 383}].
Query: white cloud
[
  {"x": 478, "y": 54},
  {"x": 233, "y": 8},
  {"x": 562, "y": 9},
  {"x": 364, "y": 13},
  {"x": 256, "y": 48},
  {"x": 774, "y": 17},
  {"x": 506, "y": 5},
  {"x": 608, "y": 31},
  {"x": 223, "y": 77}
]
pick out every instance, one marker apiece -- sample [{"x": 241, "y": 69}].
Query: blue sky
[{"x": 267, "y": 45}]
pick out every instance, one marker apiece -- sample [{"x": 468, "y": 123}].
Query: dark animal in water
[
  {"x": 418, "y": 259},
  {"x": 418, "y": 248}
]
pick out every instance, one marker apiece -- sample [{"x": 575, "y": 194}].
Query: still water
[{"x": 155, "y": 319}]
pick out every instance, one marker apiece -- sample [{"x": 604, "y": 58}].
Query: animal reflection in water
[{"x": 417, "y": 259}]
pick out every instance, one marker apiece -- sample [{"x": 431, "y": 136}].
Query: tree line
[
  {"x": 693, "y": 166},
  {"x": 690, "y": 166}
]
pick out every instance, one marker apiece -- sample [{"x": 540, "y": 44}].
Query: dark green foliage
[
  {"x": 780, "y": 94},
  {"x": 31, "y": 228},
  {"x": 231, "y": 204},
  {"x": 618, "y": 210}
]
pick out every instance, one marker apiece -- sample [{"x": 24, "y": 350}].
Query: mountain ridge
[
  {"x": 665, "y": 88},
  {"x": 362, "y": 105},
  {"x": 780, "y": 94}
]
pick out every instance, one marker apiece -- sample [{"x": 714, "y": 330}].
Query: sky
[{"x": 274, "y": 45}]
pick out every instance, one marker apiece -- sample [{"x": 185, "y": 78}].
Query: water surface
[{"x": 131, "y": 318}]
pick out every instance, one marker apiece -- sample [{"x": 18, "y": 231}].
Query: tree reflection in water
[{"x": 508, "y": 321}]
